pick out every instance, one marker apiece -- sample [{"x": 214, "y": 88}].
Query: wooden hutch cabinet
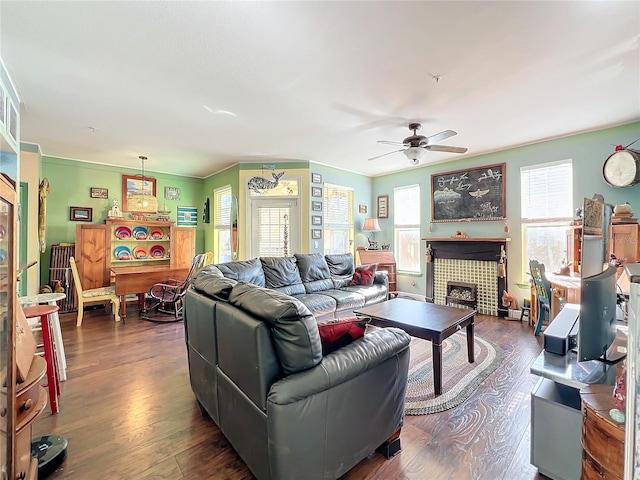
[
  {"x": 623, "y": 243},
  {"x": 128, "y": 243}
]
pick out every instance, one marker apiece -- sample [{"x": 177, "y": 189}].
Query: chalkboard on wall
[{"x": 474, "y": 194}]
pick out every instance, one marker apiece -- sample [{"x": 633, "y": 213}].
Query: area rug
[{"x": 459, "y": 377}]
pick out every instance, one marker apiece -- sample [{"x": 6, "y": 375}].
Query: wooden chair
[
  {"x": 167, "y": 297},
  {"x": 94, "y": 295},
  {"x": 543, "y": 294}
]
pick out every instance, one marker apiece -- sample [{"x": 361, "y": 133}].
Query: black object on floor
[{"x": 50, "y": 450}]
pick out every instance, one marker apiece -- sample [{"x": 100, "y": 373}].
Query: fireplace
[
  {"x": 462, "y": 293},
  {"x": 481, "y": 262}
]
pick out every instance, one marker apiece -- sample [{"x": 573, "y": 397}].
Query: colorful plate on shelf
[
  {"x": 139, "y": 253},
  {"x": 122, "y": 253},
  {"x": 156, "y": 234},
  {"x": 140, "y": 233},
  {"x": 123, "y": 233},
  {"x": 157, "y": 251}
]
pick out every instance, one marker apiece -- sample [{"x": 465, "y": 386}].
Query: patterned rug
[{"x": 459, "y": 377}]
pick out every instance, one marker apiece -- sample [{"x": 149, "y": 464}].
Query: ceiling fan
[{"x": 415, "y": 146}]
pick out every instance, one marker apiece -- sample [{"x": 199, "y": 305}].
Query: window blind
[{"x": 546, "y": 192}]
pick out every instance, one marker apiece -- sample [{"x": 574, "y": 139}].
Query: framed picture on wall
[
  {"x": 80, "y": 214},
  {"x": 362, "y": 209},
  {"x": 316, "y": 178},
  {"x": 96, "y": 192},
  {"x": 316, "y": 234},
  {"x": 316, "y": 206},
  {"x": 132, "y": 187},
  {"x": 383, "y": 206},
  {"x": 316, "y": 219},
  {"x": 316, "y": 192}
]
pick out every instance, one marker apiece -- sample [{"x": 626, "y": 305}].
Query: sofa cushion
[
  {"x": 209, "y": 280},
  {"x": 337, "y": 334},
  {"x": 294, "y": 329},
  {"x": 341, "y": 267},
  {"x": 345, "y": 300},
  {"x": 314, "y": 272},
  {"x": 364, "y": 275},
  {"x": 244, "y": 271},
  {"x": 318, "y": 303},
  {"x": 281, "y": 273}
]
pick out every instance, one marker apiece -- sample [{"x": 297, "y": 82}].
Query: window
[
  {"x": 406, "y": 223},
  {"x": 222, "y": 224},
  {"x": 338, "y": 219},
  {"x": 546, "y": 211},
  {"x": 272, "y": 227}
]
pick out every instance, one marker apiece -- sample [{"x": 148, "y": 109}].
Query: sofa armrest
[{"x": 340, "y": 366}]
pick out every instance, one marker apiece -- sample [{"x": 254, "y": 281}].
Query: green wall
[
  {"x": 70, "y": 186},
  {"x": 226, "y": 177},
  {"x": 587, "y": 151}
]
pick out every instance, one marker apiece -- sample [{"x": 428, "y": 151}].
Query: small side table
[{"x": 51, "y": 299}]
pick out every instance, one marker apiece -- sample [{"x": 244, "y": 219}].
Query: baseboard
[{"x": 412, "y": 296}]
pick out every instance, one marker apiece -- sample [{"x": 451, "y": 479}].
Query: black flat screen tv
[{"x": 597, "y": 321}]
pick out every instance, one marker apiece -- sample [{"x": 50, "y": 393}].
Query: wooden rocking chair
[{"x": 164, "y": 302}]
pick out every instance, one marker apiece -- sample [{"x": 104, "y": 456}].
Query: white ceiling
[{"x": 314, "y": 81}]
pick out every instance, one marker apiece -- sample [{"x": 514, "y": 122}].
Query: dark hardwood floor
[{"x": 128, "y": 412}]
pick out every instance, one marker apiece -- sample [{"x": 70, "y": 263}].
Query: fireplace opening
[{"x": 462, "y": 293}]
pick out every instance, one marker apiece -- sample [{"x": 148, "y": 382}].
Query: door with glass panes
[{"x": 275, "y": 227}]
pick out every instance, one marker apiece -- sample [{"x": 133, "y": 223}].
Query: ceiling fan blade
[
  {"x": 388, "y": 153},
  {"x": 388, "y": 142},
  {"x": 445, "y": 148},
  {"x": 440, "y": 136}
]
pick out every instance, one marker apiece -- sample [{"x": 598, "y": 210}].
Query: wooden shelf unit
[
  {"x": 385, "y": 260},
  {"x": 96, "y": 244},
  {"x": 623, "y": 243}
]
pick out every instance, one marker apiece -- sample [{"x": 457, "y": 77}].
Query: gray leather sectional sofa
[
  {"x": 256, "y": 368},
  {"x": 320, "y": 282}
]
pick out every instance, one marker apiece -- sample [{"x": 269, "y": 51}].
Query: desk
[
  {"x": 140, "y": 278},
  {"x": 563, "y": 287}
]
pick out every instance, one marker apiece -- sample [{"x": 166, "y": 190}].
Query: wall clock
[{"x": 622, "y": 168}]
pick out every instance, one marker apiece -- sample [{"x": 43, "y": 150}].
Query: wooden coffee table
[{"x": 427, "y": 321}]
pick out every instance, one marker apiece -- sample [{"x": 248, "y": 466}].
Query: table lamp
[{"x": 371, "y": 225}]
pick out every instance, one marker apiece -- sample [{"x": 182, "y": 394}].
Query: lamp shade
[
  {"x": 371, "y": 225},
  {"x": 414, "y": 153}
]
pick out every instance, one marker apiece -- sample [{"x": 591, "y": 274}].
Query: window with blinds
[
  {"x": 546, "y": 203},
  {"x": 406, "y": 223},
  {"x": 338, "y": 219},
  {"x": 272, "y": 230},
  {"x": 222, "y": 223}
]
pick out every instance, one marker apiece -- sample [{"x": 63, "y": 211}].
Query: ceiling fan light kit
[{"x": 415, "y": 146}]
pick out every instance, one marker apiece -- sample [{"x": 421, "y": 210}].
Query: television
[
  {"x": 597, "y": 321},
  {"x": 598, "y": 291}
]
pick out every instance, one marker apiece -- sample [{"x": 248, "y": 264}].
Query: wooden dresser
[
  {"x": 385, "y": 260},
  {"x": 602, "y": 438}
]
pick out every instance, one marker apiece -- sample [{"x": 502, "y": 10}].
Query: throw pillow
[
  {"x": 337, "y": 334},
  {"x": 364, "y": 275}
]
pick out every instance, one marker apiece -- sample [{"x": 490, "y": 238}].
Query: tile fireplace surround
[{"x": 481, "y": 261}]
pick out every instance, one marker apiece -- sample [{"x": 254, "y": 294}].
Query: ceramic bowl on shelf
[
  {"x": 122, "y": 253},
  {"x": 140, "y": 233},
  {"x": 157, "y": 251},
  {"x": 140, "y": 253},
  {"x": 156, "y": 234},
  {"x": 123, "y": 233}
]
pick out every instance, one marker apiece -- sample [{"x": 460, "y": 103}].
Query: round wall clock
[{"x": 622, "y": 168}]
